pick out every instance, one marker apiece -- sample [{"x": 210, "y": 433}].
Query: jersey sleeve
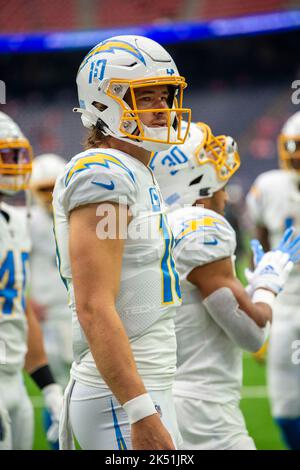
[
  {"x": 203, "y": 241},
  {"x": 95, "y": 180},
  {"x": 255, "y": 203},
  {"x": 21, "y": 224}
]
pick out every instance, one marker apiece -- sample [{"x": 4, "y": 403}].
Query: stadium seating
[
  {"x": 208, "y": 10},
  {"x": 119, "y": 13},
  {"x": 41, "y": 15},
  {"x": 22, "y": 16}
]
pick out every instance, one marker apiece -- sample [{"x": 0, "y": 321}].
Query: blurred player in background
[
  {"x": 274, "y": 204},
  {"x": 217, "y": 318},
  {"x": 48, "y": 295},
  {"x": 20, "y": 334},
  {"x": 123, "y": 285}
]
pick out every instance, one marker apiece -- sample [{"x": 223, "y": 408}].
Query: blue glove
[
  {"x": 257, "y": 250},
  {"x": 258, "y": 253},
  {"x": 290, "y": 245}
]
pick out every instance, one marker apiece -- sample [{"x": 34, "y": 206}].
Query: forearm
[
  {"x": 112, "y": 352},
  {"x": 36, "y": 356},
  {"x": 238, "y": 326},
  {"x": 260, "y": 313}
]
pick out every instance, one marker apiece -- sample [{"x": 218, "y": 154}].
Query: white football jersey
[
  {"x": 45, "y": 282},
  {"x": 274, "y": 202},
  {"x": 149, "y": 287},
  {"x": 209, "y": 365},
  {"x": 14, "y": 257}
]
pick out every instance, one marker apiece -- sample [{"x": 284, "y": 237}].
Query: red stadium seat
[
  {"x": 20, "y": 16},
  {"x": 119, "y": 13},
  {"x": 208, "y": 9}
]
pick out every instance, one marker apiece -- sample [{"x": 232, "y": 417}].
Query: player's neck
[
  {"x": 137, "y": 152},
  {"x": 208, "y": 203}
]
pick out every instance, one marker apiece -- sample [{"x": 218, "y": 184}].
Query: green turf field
[
  {"x": 256, "y": 409},
  {"x": 254, "y": 404}
]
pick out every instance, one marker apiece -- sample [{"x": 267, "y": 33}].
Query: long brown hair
[
  {"x": 94, "y": 139},
  {"x": 96, "y": 136}
]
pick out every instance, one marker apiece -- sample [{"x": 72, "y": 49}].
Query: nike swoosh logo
[
  {"x": 214, "y": 242},
  {"x": 110, "y": 186}
]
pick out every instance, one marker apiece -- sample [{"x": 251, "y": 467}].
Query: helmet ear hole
[
  {"x": 100, "y": 106},
  {"x": 196, "y": 180}
]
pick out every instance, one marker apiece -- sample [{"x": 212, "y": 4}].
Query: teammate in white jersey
[
  {"x": 48, "y": 295},
  {"x": 114, "y": 247},
  {"x": 274, "y": 204},
  {"x": 19, "y": 330},
  {"x": 217, "y": 318}
]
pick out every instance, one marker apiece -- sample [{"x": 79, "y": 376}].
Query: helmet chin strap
[
  {"x": 156, "y": 133},
  {"x": 151, "y": 132}
]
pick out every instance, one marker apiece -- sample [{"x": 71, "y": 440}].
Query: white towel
[{"x": 66, "y": 440}]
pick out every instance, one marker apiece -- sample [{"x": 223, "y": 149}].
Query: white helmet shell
[
  {"x": 292, "y": 126},
  {"x": 15, "y": 157},
  {"x": 189, "y": 172},
  {"x": 45, "y": 169},
  {"x": 9, "y": 130},
  {"x": 123, "y": 63}
]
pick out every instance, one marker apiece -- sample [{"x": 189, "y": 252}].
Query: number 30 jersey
[
  {"x": 209, "y": 364},
  {"x": 14, "y": 255},
  {"x": 149, "y": 285}
]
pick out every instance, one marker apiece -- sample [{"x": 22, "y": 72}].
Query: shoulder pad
[
  {"x": 97, "y": 176},
  {"x": 202, "y": 239}
]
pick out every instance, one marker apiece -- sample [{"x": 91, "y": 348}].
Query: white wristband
[
  {"x": 139, "y": 407},
  {"x": 264, "y": 296}
]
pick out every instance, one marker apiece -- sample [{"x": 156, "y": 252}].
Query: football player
[
  {"x": 218, "y": 319},
  {"x": 114, "y": 247},
  {"x": 47, "y": 293},
  {"x": 274, "y": 204},
  {"x": 20, "y": 335}
]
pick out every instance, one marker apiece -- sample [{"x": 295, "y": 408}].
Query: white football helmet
[
  {"x": 122, "y": 64},
  {"x": 289, "y": 143},
  {"x": 15, "y": 157},
  {"x": 197, "y": 169},
  {"x": 45, "y": 169}
]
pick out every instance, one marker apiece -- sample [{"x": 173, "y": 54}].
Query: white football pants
[
  {"x": 17, "y": 414},
  {"x": 98, "y": 421},
  {"x": 208, "y": 425},
  {"x": 284, "y": 368}
]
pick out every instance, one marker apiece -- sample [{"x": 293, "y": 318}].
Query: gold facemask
[
  {"x": 213, "y": 149},
  {"x": 289, "y": 151},
  {"x": 43, "y": 193},
  {"x": 15, "y": 164},
  {"x": 176, "y": 113}
]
